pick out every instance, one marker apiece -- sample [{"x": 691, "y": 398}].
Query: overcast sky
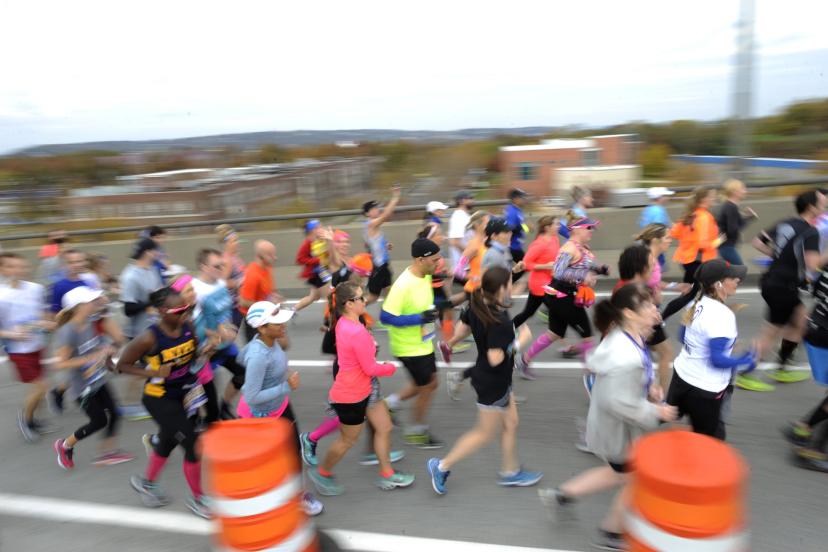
[{"x": 111, "y": 70}]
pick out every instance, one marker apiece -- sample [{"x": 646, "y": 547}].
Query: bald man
[{"x": 258, "y": 284}]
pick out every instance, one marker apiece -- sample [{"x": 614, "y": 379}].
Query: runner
[
  {"x": 81, "y": 350},
  {"x": 494, "y": 335},
  {"x": 705, "y": 366},
  {"x": 51, "y": 267},
  {"x": 258, "y": 283},
  {"x": 625, "y": 405},
  {"x": 435, "y": 211},
  {"x": 793, "y": 245},
  {"x": 498, "y": 237},
  {"x": 315, "y": 255},
  {"x": 803, "y": 433},
  {"x": 377, "y": 245},
  {"x": 571, "y": 293},
  {"x": 164, "y": 353},
  {"x": 656, "y": 213},
  {"x": 339, "y": 263},
  {"x": 161, "y": 261},
  {"x": 23, "y": 321},
  {"x": 445, "y": 308},
  {"x": 583, "y": 200},
  {"x": 409, "y": 313},
  {"x": 213, "y": 319},
  {"x": 539, "y": 261},
  {"x": 75, "y": 267},
  {"x": 732, "y": 220},
  {"x": 517, "y": 223},
  {"x": 266, "y": 390},
  {"x": 233, "y": 267},
  {"x": 355, "y": 394},
  {"x": 458, "y": 233}
]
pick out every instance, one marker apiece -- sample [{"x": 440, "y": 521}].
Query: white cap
[
  {"x": 265, "y": 312},
  {"x": 78, "y": 296},
  {"x": 659, "y": 191},
  {"x": 436, "y": 206}
]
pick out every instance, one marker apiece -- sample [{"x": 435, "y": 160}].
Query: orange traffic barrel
[
  {"x": 254, "y": 481},
  {"x": 687, "y": 493}
]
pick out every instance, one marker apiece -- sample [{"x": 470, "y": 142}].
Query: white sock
[
  {"x": 441, "y": 467},
  {"x": 393, "y": 401}
]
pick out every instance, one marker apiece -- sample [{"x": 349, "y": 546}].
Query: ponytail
[
  {"x": 605, "y": 316},
  {"x": 610, "y": 312},
  {"x": 484, "y": 303}
]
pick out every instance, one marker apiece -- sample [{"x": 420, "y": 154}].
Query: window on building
[
  {"x": 526, "y": 171},
  {"x": 590, "y": 157}
]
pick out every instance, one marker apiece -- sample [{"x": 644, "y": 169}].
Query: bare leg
[
  {"x": 488, "y": 422},
  {"x": 592, "y": 481},
  {"x": 379, "y": 419},
  {"x": 348, "y": 435},
  {"x": 665, "y": 361},
  {"x": 424, "y": 395},
  {"x": 508, "y": 440},
  {"x": 309, "y": 299},
  {"x": 38, "y": 390},
  {"x": 614, "y": 522}
]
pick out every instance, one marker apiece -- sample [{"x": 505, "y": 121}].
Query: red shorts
[{"x": 28, "y": 365}]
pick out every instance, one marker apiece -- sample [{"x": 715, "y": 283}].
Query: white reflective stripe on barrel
[
  {"x": 298, "y": 541},
  {"x": 650, "y": 535},
  {"x": 265, "y": 502}
]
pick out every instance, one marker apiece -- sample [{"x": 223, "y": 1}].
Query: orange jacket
[{"x": 701, "y": 236}]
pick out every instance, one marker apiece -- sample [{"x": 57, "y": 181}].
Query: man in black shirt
[{"x": 793, "y": 244}]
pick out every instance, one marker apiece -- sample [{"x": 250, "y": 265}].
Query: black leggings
[
  {"x": 533, "y": 303},
  {"x": 289, "y": 416},
  {"x": 212, "y": 406},
  {"x": 175, "y": 427},
  {"x": 704, "y": 408},
  {"x": 102, "y": 413},
  {"x": 228, "y": 360}
]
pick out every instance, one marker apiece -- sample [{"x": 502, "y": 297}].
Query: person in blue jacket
[{"x": 513, "y": 213}]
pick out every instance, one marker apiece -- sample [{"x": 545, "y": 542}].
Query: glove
[
  {"x": 442, "y": 304},
  {"x": 602, "y": 270},
  {"x": 429, "y": 316}
]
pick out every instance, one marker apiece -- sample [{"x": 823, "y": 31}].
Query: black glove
[
  {"x": 442, "y": 304},
  {"x": 602, "y": 270},
  {"x": 428, "y": 316}
]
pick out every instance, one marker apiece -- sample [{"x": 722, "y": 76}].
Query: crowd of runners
[{"x": 61, "y": 332}]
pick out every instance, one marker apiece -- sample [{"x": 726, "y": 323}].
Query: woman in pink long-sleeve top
[{"x": 355, "y": 385}]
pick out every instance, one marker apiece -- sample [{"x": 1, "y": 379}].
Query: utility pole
[{"x": 742, "y": 90}]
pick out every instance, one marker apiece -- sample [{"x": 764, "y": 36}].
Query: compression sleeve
[{"x": 400, "y": 320}]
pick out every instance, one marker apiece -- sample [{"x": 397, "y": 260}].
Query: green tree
[{"x": 655, "y": 160}]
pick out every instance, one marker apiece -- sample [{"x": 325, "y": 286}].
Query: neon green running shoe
[
  {"x": 750, "y": 382},
  {"x": 783, "y": 375}
]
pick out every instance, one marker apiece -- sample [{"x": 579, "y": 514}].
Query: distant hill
[{"x": 285, "y": 138}]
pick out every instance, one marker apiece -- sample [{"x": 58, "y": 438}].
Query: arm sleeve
[
  {"x": 720, "y": 359},
  {"x": 253, "y": 380},
  {"x": 132, "y": 308},
  {"x": 564, "y": 272},
  {"x": 400, "y": 320}
]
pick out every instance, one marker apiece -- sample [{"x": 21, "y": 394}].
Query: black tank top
[{"x": 180, "y": 351}]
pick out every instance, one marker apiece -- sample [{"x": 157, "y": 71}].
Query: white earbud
[{"x": 719, "y": 284}]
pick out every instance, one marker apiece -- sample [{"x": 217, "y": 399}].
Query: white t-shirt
[
  {"x": 712, "y": 319},
  {"x": 457, "y": 231},
  {"x": 18, "y": 307},
  {"x": 203, "y": 290}
]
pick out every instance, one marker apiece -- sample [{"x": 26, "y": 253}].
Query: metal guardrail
[{"x": 352, "y": 212}]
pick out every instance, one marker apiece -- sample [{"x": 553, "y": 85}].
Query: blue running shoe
[
  {"x": 438, "y": 477},
  {"x": 522, "y": 478}
]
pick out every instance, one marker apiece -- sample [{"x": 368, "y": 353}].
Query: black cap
[
  {"x": 143, "y": 245},
  {"x": 497, "y": 225},
  {"x": 368, "y": 205},
  {"x": 422, "y": 247},
  {"x": 716, "y": 270},
  {"x": 517, "y": 192},
  {"x": 463, "y": 194}
]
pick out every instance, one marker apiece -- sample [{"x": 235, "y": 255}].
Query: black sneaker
[
  {"x": 430, "y": 442},
  {"x": 26, "y": 429},
  {"x": 41, "y": 428},
  {"x": 607, "y": 540},
  {"x": 54, "y": 400}
]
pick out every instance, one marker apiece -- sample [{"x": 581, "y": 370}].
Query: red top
[
  {"x": 543, "y": 250},
  {"x": 257, "y": 284},
  {"x": 356, "y": 353},
  {"x": 306, "y": 260}
]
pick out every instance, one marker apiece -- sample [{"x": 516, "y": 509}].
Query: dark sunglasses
[{"x": 360, "y": 298}]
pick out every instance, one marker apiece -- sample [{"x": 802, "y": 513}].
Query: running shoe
[
  {"x": 445, "y": 351},
  {"x": 199, "y": 506},
  {"x": 64, "y": 455},
  {"x": 151, "y": 494},
  {"x": 395, "y": 480},
  {"x": 148, "y": 440},
  {"x": 311, "y": 505},
  {"x": 520, "y": 363},
  {"x": 749, "y": 382},
  {"x": 438, "y": 477},
  {"x": 525, "y": 372},
  {"x": 798, "y": 434},
  {"x": 41, "y": 428},
  {"x": 134, "y": 412},
  {"x": 461, "y": 348},
  {"x": 26, "y": 430},
  {"x": 425, "y": 441},
  {"x": 543, "y": 315},
  {"x": 308, "y": 450},
  {"x": 555, "y": 498},
  {"x": 813, "y": 459},
  {"x": 372, "y": 460},
  {"x": 522, "y": 478},
  {"x": 570, "y": 352},
  {"x": 786, "y": 375},
  {"x": 327, "y": 486},
  {"x": 54, "y": 400},
  {"x": 454, "y": 384},
  {"x": 607, "y": 540},
  {"x": 113, "y": 458}
]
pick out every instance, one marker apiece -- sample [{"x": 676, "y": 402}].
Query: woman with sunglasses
[
  {"x": 355, "y": 395},
  {"x": 165, "y": 353}
]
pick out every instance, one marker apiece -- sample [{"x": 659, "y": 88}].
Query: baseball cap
[
  {"x": 422, "y": 247},
  {"x": 463, "y": 194},
  {"x": 497, "y": 225},
  {"x": 717, "y": 270},
  {"x": 436, "y": 206},
  {"x": 362, "y": 264},
  {"x": 341, "y": 235},
  {"x": 143, "y": 245},
  {"x": 265, "y": 312},
  {"x": 79, "y": 296},
  {"x": 584, "y": 222},
  {"x": 311, "y": 224},
  {"x": 368, "y": 205},
  {"x": 659, "y": 191},
  {"x": 517, "y": 192}
]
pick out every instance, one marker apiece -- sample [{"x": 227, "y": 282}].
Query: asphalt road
[{"x": 786, "y": 503}]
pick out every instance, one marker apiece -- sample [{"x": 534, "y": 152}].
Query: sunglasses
[
  {"x": 360, "y": 298},
  {"x": 179, "y": 310}
]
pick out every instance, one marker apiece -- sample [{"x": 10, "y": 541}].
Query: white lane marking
[
  {"x": 74, "y": 511},
  {"x": 560, "y": 365}
]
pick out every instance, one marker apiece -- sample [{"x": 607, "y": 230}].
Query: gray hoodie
[
  {"x": 265, "y": 382},
  {"x": 619, "y": 411}
]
